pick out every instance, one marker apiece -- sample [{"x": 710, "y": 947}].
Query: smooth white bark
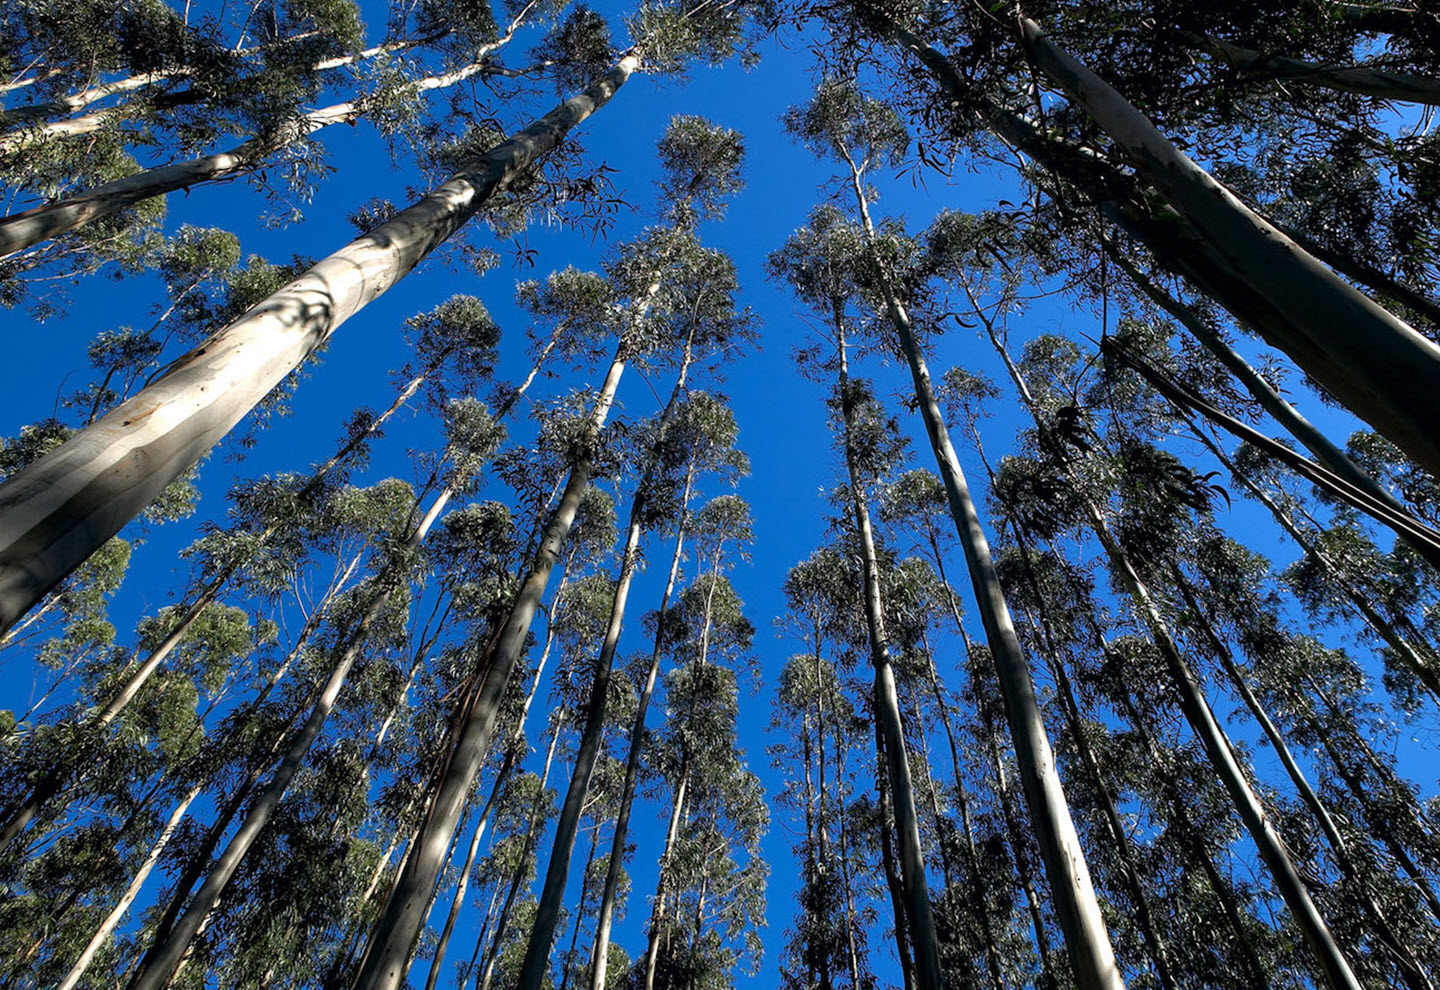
[{"x": 60, "y": 509}]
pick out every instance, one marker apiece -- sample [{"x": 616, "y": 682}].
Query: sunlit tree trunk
[
  {"x": 557, "y": 871},
  {"x": 1088, "y": 943},
  {"x": 1346, "y": 341},
  {"x": 30, "y": 227},
  {"x": 57, "y": 511},
  {"x": 383, "y": 966},
  {"x": 122, "y": 907},
  {"x": 1410, "y": 968}
]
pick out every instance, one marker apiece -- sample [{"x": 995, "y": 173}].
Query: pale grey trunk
[
  {"x": 122, "y": 907},
  {"x": 1413, "y": 657},
  {"x": 57, "y": 511},
  {"x": 1091, "y": 955},
  {"x": 557, "y": 870},
  {"x": 1222, "y": 757},
  {"x": 1350, "y": 344},
  {"x": 921, "y": 922},
  {"x": 164, "y": 959},
  {"x": 1260, "y": 390},
  {"x": 1212, "y": 737},
  {"x": 1398, "y": 86},
  {"x": 657, "y": 909},
  {"x": 395, "y": 931},
  {"x": 600, "y": 956}
]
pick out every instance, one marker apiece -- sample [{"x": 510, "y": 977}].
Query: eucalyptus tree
[
  {"x": 866, "y": 134},
  {"x": 711, "y": 327},
  {"x": 27, "y": 228},
  {"x": 1195, "y": 707},
  {"x": 821, "y": 603},
  {"x": 455, "y": 345},
  {"x": 705, "y": 431},
  {"x": 709, "y": 895},
  {"x": 219, "y": 382},
  {"x": 818, "y": 262},
  {"x": 653, "y": 282}
]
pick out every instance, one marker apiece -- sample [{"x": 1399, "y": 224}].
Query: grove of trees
[{"x": 934, "y": 494}]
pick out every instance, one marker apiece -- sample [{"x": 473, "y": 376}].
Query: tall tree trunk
[
  {"x": 166, "y": 955},
  {"x": 61, "y": 508},
  {"x": 887, "y": 706},
  {"x": 599, "y": 958},
  {"x": 1423, "y": 538},
  {"x": 122, "y": 907},
  {"x": 894, "y": 882},
  {"x": 500, "y": 779},
  {"x": 1091, "y": 955},
  {"x": 557, "y": 870},
  {"x": 395, "y": 931},
  {"x": 1346, "y": 341},
  {"x": 30, "y": 227},
  {"x": 657, "y": 909}
]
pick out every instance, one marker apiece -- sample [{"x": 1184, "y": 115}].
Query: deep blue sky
[{"x": 781, "y": 416}]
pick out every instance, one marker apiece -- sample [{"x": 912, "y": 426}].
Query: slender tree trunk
[
  {"x": 894, "y": 882},
  {"x": 57, "y": 511},
  {"x": 887, "y": 706},
  {"x": 383, "y": 967},
  {"x": 532, "y": 833},
  {"x": 30, "y": 227},
  {"x": 599, "y": 958},
  {"x": 557, "y": 871},
  {"x": 166, "y": 955},
  {"x": 117, "y": 914},
  {"x": 1397, "y": 86},
  {"x": 500, "y": 779},
  {"x": 50, "y": 786},
  {"x": 657, "y": 910}
]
